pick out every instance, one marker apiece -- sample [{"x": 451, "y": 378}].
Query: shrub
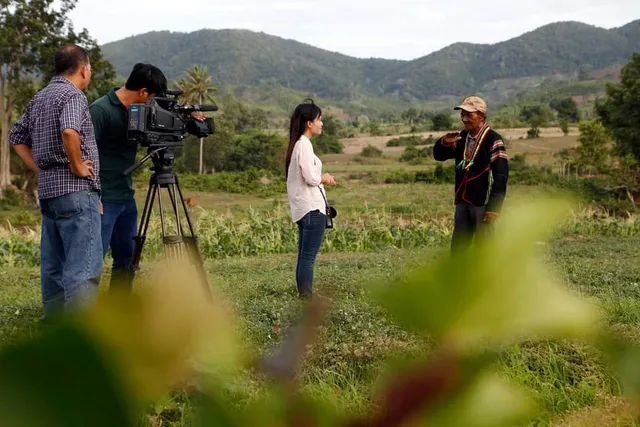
[
  {"x": 247, "y": 182},
  {"x": 415, "y": 155},
  {"x": 325, "y": 143},
  {"x": 400, "y": 176},
  {"x": 405, "y": 141},
  {"x": 371, "y": 151}
]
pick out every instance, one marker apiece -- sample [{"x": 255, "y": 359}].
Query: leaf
[
  {"x": 170, "y": 334},
  {"x": 489, "y": 402},
  {"x": 61, "y": 379},
  {"x": 495, "y": 293},
  {"x": 425, "y": 387}
]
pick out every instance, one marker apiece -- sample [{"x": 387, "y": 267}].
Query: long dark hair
[{"x": 305, "y": 112}]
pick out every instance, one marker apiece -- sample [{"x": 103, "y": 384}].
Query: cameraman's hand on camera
[
  {"x": 84, "y": 169},
  {"x": 328, "y": 179},
  {"x": 198, "y": 115}
]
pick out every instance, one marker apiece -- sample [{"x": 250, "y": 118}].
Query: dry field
[
  {"x": 538, "y": 151},
  {"x": 355, "y": 145}
]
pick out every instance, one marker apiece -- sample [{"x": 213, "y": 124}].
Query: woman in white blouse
[{"x": 305, "y": 188}]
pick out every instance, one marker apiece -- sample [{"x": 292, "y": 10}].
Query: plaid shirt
[{"x": 57, "y": 107}]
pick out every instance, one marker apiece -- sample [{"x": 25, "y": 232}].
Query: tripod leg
[
  {"x": 144, "y": 225},
  {"x": 184, "y": 206},
  {"x": 164, "y": 231},
  {"x": 174, "y": 204},
  {"x": 192, "y": 245}
]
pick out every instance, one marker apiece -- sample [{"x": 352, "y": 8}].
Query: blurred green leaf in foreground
[{"x": 499, "y": 292}]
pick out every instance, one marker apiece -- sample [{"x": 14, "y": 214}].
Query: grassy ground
[
  {"x": 566, "y": 379},
  {"x": 595, "y": 255}
]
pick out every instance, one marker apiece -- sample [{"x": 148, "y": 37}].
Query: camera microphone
[
  {"x": 205, "y": 107},
  {"x": 190, "y": 108}
]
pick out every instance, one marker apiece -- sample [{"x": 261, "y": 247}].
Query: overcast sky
[{"x": 398, "y": 29}]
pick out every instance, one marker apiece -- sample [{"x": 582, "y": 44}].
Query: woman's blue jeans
[{"x": 311, "y": 230}]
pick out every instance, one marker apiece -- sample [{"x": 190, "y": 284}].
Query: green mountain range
[{"x": 260, "y": 67}]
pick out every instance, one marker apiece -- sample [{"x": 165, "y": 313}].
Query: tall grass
[{"x": 273, "y": 232}]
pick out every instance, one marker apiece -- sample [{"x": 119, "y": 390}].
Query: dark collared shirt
[
  {"x": 57, "y": 107},
  {"x": 110, "y": 122}
]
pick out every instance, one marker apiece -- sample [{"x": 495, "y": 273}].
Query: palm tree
[{"x": 196, "y": 87}]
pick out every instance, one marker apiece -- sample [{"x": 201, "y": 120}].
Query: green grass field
[
  {"x": 250, "y": 243},
  {"x": 563, "y": 377}
]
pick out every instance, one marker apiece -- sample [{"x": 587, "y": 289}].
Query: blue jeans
[
  {"x": 311, "y": 230},
  {"x": 70, "y": 251},
  {"x": 119, "y": 227}
]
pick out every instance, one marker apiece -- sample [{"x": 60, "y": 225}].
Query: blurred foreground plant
[{"x": 103, "y": 367}]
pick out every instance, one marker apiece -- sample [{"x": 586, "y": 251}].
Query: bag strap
[{"x": 326, "y": 204}]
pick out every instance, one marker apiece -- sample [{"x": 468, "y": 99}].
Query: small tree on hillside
[
  {"x": 258, "y": 150},
  {"x": 627, "y": 176},
  {"x": 620, "y": 111},
  {"x": 410, "y": 116},
  {"x": 568, "y": 158},
  {"x": 442, "y": 121},
  {"x": 567, "y": 109},
  {"x": 593, "y": 151},
  {"x": 620, "y": 115},
  {"x": 536, "y": 116}
]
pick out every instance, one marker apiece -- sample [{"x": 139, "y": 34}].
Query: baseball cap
[{"x": 473, "y": 104}]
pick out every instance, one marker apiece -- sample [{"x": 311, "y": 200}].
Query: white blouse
[{"x": 304, "y": 181}]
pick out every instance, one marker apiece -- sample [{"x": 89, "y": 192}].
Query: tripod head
[{"x": 163, "y": 160}]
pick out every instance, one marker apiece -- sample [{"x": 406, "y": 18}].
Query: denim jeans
[
  {"x": 119, "y": 227},
  {"x": 467, "y": 224},
  {"x": 311, "y": 230},
  {"x": 70, "y": 251}
]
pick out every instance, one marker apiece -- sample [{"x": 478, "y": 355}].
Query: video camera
[{"x": 163, "y": 122}]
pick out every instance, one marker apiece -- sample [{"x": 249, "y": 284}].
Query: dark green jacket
[{"x": 110, "y": 118}]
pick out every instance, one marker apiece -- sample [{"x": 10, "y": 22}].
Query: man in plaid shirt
[{"x": 55, "y": 138}]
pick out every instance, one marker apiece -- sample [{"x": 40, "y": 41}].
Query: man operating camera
[
  {"x": 110, "y": 116},
  {"x": 119, "y": 212}
]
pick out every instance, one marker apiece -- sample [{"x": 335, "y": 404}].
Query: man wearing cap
[{"x": 479, "y": 153}]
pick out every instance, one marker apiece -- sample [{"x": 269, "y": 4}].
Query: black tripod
[{"x": 178, "y": 247}]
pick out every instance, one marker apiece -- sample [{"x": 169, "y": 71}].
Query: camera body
[{"x": 163, "y": 122}]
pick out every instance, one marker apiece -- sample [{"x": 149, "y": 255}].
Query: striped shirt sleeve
[
  {"x": 498, "y": 151},
  {"x": 500, "y": 171}
]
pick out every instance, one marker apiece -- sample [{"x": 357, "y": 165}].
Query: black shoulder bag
[{"x": 331, "y": 212}]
